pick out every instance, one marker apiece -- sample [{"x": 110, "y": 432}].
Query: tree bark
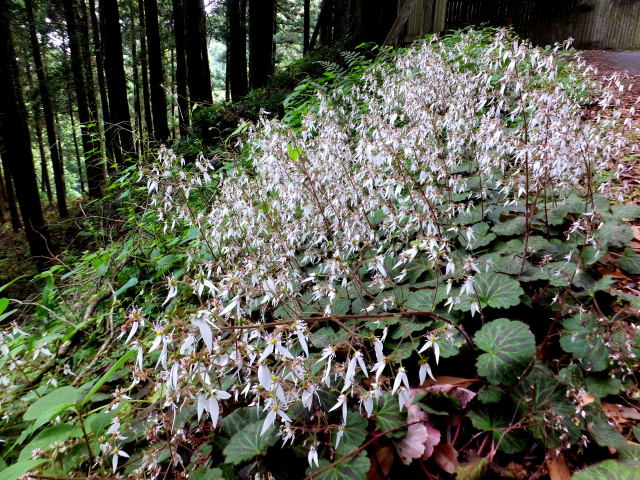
[
  {"x": 49, "y": 117},
  {"x": 306, "y": 34},
  {"x": 136, "y": 92},
  {"x": 45, "y": 183},
  {"x": 237, "y": 47},
  {"x": 16, "y": 224},
  {"x": 14, "y": 126},
  {"x": 198, "y": 75},
  {"x": 3, "y": 199},
  {"x": 97, "y": 49},
  {"x": 74, "y": 136},
  {"x": 179, "y": 33},
  {"x": 156, "y": 76},
  {"x": 116, "y": 81},
  {"x": 261, "y": 14},
  {"x": 95, "y": 171},
  {"x": 146, "y": 99}
]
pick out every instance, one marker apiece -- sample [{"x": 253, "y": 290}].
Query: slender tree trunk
[
  {"x": 156, "y": 75},
  {"x": 92, "y": 99},
  {"x": 237, "y": 48},
  {"x": 95, "y": 171},
  {"x": 16, "y": 224},
  {"x": 172, "y": 89},
  {"x": 306, "y": 35},
  {"x": 197, "y": 57},
  {"x": 116, "y": 81},
  {"x": 74, "y": 136},
  {"x": 49, "y": 116},
  {"x": 181, "y": 66},
  {"x": 18, "y": 150},
  {"x": 261, "y": 13},
  {"x": 136, "y": 93},
  {"x": 97, "y": 49},
  {"x": 45, "y": 183},
  {"x": 146, "y": 100},
  {"x": 3, "y": 199}
]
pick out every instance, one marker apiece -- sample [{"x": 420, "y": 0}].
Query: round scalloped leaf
[
  {"x": 581, "y": 338},
  {"x": 608, "y": 470},
  {"x": 497, "y": 290},
  {"x": 354, "y": 468},
  {"x": 509, "y": 346},
  {"x": 355, "y": 433},
  {"x": 614, "y": 233},
  {"x": 629, "y": 261},
  {"x": 248, "y": 443}
]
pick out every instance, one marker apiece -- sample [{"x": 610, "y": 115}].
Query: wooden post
[{"x": 439, "y": 15}]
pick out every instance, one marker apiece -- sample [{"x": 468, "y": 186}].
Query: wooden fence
[{"x": 591, "y": 23}]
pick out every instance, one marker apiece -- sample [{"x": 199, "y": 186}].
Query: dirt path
[{"x": 626, "y": 63}]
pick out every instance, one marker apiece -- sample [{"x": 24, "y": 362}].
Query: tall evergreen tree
[
  {"x": 94, "y": 168},
  {"x": 156, "y": 76},
  {"x": 237, "y": 47},
  {"x": 116, "y": 81},
  {"x": 261, "y": 20},
  {"x": 14, "y": 129},
  {"x": 197, "y": 57},
  {"x": 97, "y": 49},
  {"x": 49, "y": 114},
  {"x": 146, "y": 98},
  {"x": 179, "y": 33}
]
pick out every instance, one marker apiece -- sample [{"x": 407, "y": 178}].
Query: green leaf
[
  {"x": 97, "y": 423},
  {"x": 629, "y": 261},
  {"x": 388, "y": 415},
  {"x": 60, "y": 396},
  {"x": 509, "y": 226},
  {"x": 603, "y": 387},
  {"x": 626, "y": 212},
  {"x": 482, "y": 236},
  {"x": 509, "y": 346},
  {"x": 581, "y": 338},
  {"x": 207, "y": 474},
  {"x": 48, "y": 436},
  {"x": 354, "y": 434},
  {"x": 248, "y": 443},
  {"x": 109, "y": 373},
  {"x": 495, "y": 290},
  {"x": 608, "y": 470},
  {"x": 473, "y": 470},
  {"x": 354, "y": 468},
  {"x": 130, "y": 283},
  {"x": 236, "y": 420},
  {"x": 614, "y": 233},
  {"x": 425, "y": 299},
  {"x": 44, "y": 418},
  {"x": 17, "y": 470},
  {"x": 4, "y": 303},
  {"x": 605, "y": 434},
  {"x": 490, "y": 420}
]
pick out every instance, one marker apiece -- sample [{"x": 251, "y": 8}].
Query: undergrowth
[{"x": 401, "y": 277}]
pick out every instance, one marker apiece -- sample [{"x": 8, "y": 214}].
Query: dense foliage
[{"x": 401, "y": 276}]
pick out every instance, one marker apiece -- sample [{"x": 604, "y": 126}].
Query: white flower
[
  {"x": 312, "y": 457},
  {"x": 117, "y": 453},
  {"x": 342, "y": 402},
  {"x": 432, "y": 342},
  {"x": 401, "y": 378},
  {"x": 339, "y": 434},
  {"x": 274, "y": 412},
  {"x": 425, "y": 370}
]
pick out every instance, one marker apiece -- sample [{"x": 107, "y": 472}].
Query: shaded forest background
[{"x": 94, "y": 86}]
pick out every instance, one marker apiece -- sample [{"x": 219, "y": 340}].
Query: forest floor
[{"x": 626, "y": 63}]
